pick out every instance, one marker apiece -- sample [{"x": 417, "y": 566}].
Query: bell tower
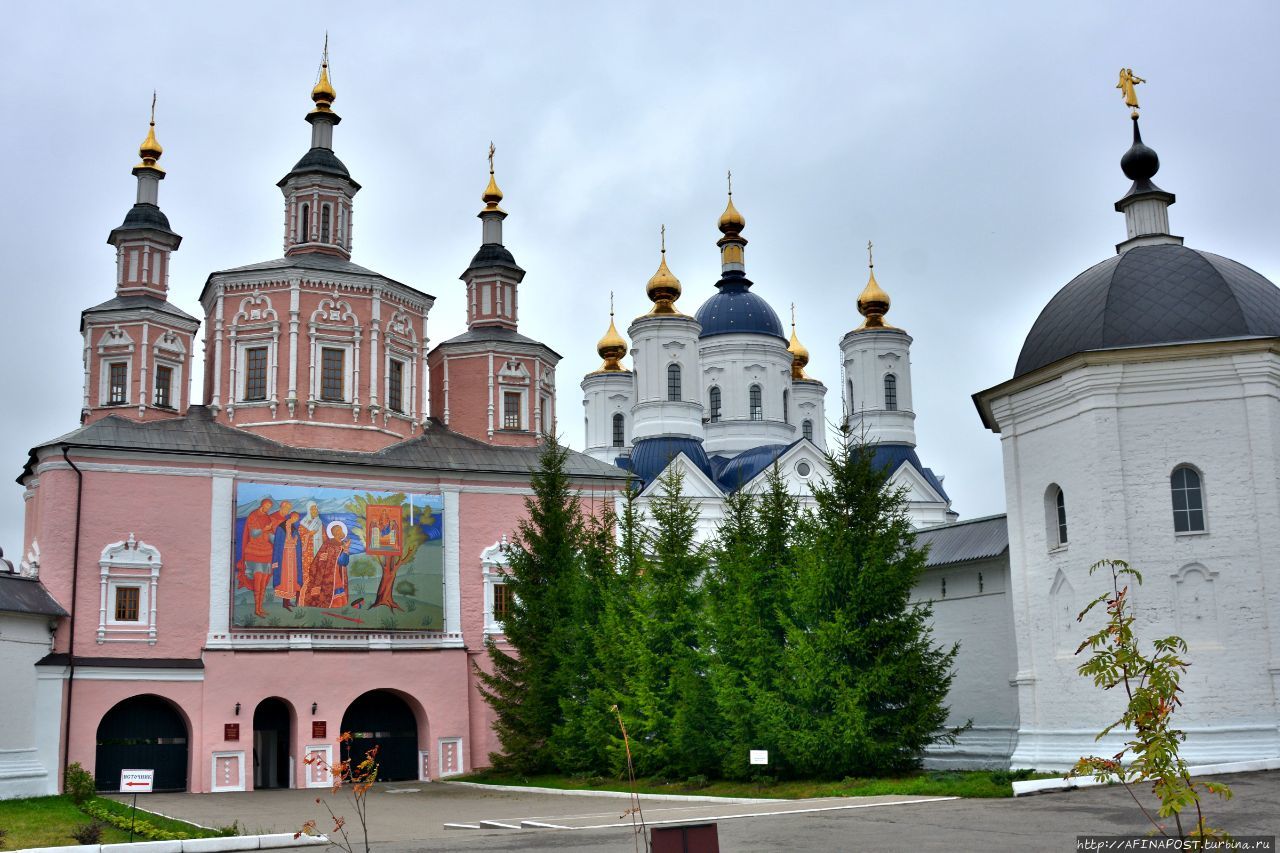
[{"x": 138, "y": 346}]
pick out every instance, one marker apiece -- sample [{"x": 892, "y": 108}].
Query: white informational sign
[
  {"x": 136, "y": 781},
  {"x": 759, "y": 756}
]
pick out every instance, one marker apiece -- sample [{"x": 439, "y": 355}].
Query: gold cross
[
  {"x": 664, "y": 239},
  {"x": 730, "y": 182},
  {"x": 491, "y": 150},
  {"x": 153, "y": 107},
  {"x": 870, "y": 260}
]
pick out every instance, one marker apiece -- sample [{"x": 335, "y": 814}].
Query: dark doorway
[
  {"x": 382, "y": 718},
  {"x": 271, "y": 730},
  {"x": 142, "y": 733}
]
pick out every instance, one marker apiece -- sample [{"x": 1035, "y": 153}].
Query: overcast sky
[{"x": 976, "y": 144}]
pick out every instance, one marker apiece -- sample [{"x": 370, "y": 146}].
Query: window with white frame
[
  {"x": 164, "y": 387},
  {"x": 117, "y": 383},
  {"x": 756, "y": 399},
  {"x": 395, "y": 385},
  {"x": 1055, "y": 513},
  {"x": 713, "y": 403},
  {"x": 497, "y": 594},
  {"x": 619, "y": 430},
  {"x": 129, "y": 572},
  {"x": 890, "y": 392},
  {"x": 255, "y": 374},
  {"x": 304, "y": 224},
  {"x": 511, "y": 410},
  {"x": 333, "y": 374},
  {"x": 806, "y": 429},
  {"x": 674, "y": 390}
]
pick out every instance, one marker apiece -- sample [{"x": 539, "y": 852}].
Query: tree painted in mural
[{"x": 391, "y": 536}]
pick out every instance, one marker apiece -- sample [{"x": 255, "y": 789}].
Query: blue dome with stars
[{"x": 735, "y": 310}]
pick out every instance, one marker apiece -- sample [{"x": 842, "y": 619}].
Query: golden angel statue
[{"x": 1128, "y": 80}]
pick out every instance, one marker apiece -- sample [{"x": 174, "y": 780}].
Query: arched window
[
  {"x": 757, "y": 405},
  {"x": 849, "y": 409},
  {"x": 1188, "y": 500},
  {"x": 786, "y": 408},
  {"x": 673, "y": 382},
  {"x": 324, "y": 223},
  {"x": 890, "y": 392},
  {"x": 304, "y": 224},
  {"x": 1055, "y": 510},
  {"x": 619, "y": 425},
  {"x": 806, "y": 429},
  {"x": 713, "y": 403}
]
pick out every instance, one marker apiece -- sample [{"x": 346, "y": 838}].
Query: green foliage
[
  {"x": 78, "y": 784},
  {"x": 863, "y": 687},
  {"x": 141, "y": 826},
  {"x": 406, "y": 587},
  {"x": 544, "y": 574},
  {"x": 364, "y": 566},
  {"x": 1152, "y": 684}
]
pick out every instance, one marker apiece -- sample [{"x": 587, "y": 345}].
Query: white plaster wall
[
  {"x": 976, "y": 614},
  {"x": 28, "y": 749},
  {"x": 868, "y": 355},
  {"x": 734, "y": 363},
  {"x": 1110, "y": 435},
  {"x": 603, "y": 396},
  {"x": 808, "y": 400},
  {"x": 656, "y": 342}
]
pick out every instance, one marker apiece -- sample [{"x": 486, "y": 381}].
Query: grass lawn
[
  {"x": 938, "y": 783},
  {"x": 49, "y": 821}
]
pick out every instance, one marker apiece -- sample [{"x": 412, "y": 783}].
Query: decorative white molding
[
  {"x": 133, "y": 564},
  {"x": 136, "y": 673},
  {"x": 30, "y": 565},
  {"x": 452, "y": 762},
  {"x": 493, "y": 570},
  {"x": 225, "y": 759},
  {"x": 317, "y": 772}
]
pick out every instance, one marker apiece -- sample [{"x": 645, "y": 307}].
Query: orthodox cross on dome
[
  {"x": 492, "y": 150},
  {"x": 871, "y": 261},
  {"x": 731, "y": 182},
  {"x": 1127, "y": 86},
  {"x": 663, "y": 237}
]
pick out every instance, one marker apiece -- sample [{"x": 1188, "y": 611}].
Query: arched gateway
[
  {"x": 382, "y": 718},
  {"x": 144, "y": 732}
]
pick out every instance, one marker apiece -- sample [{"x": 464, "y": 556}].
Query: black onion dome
[
  {"x": 143, "y": 215},
  {"x": 322, "y": 161},
  {"x": 493, "y": 255},
  {"x": 735, "y": 309},
  {"x": 1140, "y": 162},
  {"x": 1151, "y": 295}
]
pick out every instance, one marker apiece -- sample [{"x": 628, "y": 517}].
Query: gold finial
[
  {"x": 492, "y": 195},
  {"x": 731, "y": 221},
  {"x": 873, "y": 302},
  {"x": 1127, "y": 84},
  {"x": 612, "y": 347},
  {"x": 799, "y": 354},
  {"x": 323, "y": 93},
  {"x": 664, "y": 288},
  {"x": 150, "y": 149}
]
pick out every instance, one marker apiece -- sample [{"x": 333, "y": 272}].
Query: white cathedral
[
  {"x": 723, "y": 395},
  {"x": 1142, "y": 423}
]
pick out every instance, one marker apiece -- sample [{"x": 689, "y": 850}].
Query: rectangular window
[
  {"x": 127, "y": 599},
  {"x": 333, "y": 375},
  {"x": 501, "y": 601},
  {"x": 164, "y": 386},
  {"x": 511, "y": 410},
  {"x": 118, "y": 383},
  {"x": 255, "y": 373},
  {"x": 395, "y": 386}
]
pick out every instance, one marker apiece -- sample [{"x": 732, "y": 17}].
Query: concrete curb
[
  {"x": 1045, "y": 786},
  {"x": 226, "y": 844},
  {"x": 679, "y": 798}
]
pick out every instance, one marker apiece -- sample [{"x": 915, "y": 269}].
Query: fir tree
[
  {"x": 544, "y": 574},
  {"x": 864, "y": 684}
]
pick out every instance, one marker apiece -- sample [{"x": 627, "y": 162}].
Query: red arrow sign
[{"x": 136, "y": 784}]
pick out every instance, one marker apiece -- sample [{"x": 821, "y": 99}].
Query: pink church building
[{"x": 314, "y": 549}]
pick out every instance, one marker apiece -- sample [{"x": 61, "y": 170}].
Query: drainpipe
[{"x": 71, "y": 627}]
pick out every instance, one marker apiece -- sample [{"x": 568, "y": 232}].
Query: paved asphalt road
[{"x": 413, "y": 820}]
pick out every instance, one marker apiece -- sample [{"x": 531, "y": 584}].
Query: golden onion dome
[
  {"x": 492, "y": 195},
  {"x": 799, "y": 352},
  {"x": 612, "y": 347},
  {"x": 323, "y": 93},
  {"x": 731, "y": 221},
  {"x": 663, "y": 289},
  {"x": 873, "y": 303},
  {"x": 150, "y": 149}
]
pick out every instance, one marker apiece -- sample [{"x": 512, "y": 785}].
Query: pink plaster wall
[{"x": 140, "y": 356}]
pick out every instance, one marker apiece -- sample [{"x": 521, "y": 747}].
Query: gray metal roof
[
  {"x": 198, "y": 434},
  {"x": 133, "y": 303},
  {"x": 962, "y": 541},
  {"x": 1152, "y": 295},
  {"x": 495, "y": 333},
  {"x": 20, "y": 594}
]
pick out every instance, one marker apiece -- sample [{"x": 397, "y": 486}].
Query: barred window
[
  {"x": 1062, "y": 518},
  {"x": 395, "y": 386},
  {"x": 511, "y": 410},
  {"x": 118, "y": 382},
  {"x": 1188, "y": 500},
  {"x": 619, "y": 426},
  {"x": 164, "y": 386},
  {"x": 333, "y": 374},
  {"x": 673, "y": 382},
  {"x": 757, "y": 404},
  {"x": 304, "y": 224},
  {"x": 786, "y": 408},
  {"x": 255, "y": 373},
  {"x": 891, "y": 392},
  {"x": 713, "y": 400},
  {"x": 127, "y": 598},
  {"x": 807, "y": 429},
  {"x": 324, "y": 223}
]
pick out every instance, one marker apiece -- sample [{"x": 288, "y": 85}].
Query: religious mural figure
[
  {"x": 286, "y": 561},
  {"x": 339, "y": 555}
]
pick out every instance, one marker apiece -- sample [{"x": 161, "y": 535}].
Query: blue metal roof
[
  {"x": 892, "y": 457},
  {"x": 651, "y": 456},
  {"x": 735, "y": 309},
  {"x": 736, "y": 472}
]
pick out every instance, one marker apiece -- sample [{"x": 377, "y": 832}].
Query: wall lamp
[
  {"x": 237, "y": 709},
  {"x": 313, "y": 708}
]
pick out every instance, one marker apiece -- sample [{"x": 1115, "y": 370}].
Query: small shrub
[
  {"x": 764, "y": 781},
  {"x": 231, "y": 829},
  {"x": 698, "y": 781},
  {"x": 1008, "y": 777},
  {"x": 406, "y": 587},
  {"x": 89, "y": 833},
  {"x": 78, "y": 784}
]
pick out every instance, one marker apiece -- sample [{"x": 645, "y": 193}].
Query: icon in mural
[{"x": 310, "y": 558}]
